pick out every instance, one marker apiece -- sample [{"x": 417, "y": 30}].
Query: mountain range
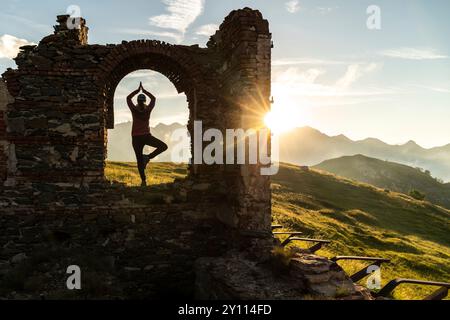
[
  {"x": 306, "y": 146},
  {"x": 120, "y": 148}
]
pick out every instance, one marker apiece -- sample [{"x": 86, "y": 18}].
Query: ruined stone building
[{"x": 55, "y": 110}]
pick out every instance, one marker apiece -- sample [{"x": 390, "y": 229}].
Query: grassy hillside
[
  {"x": 157, "y": 173},
  {"x": 364, "y": 220},
  {"x": 359, "y": 218},
  {"x": 389, "y": 175}
]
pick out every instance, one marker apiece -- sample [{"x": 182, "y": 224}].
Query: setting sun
[{"x": 283, "y": 119}]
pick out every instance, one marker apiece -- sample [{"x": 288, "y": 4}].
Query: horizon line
[{"x": 330, "y": 136}]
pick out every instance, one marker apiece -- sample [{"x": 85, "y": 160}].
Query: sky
[{"x": 336, "y": 66}]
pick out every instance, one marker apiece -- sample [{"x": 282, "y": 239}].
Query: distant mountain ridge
[
  {"x": 120, "y": 147},
  {"x": 389, "y": 175},
  {"x": 306, "y": 146}
]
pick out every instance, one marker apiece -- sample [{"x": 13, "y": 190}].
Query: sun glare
[
  {"x": 288, "y": 111},
  {"x": 280, "y": 121}
]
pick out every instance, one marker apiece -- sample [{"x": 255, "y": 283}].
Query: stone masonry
[{"x": 5, "y": 159}]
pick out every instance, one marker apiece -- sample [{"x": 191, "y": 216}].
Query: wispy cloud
[
  {"x": 440, "y": 90},
  {"x": 302, "y": 92},
  {"x": 41, "y": 28},
  {"x": 295, "y": 84},
  {"x": 413, "y": 54},
  {"x": 207, "y": 30},
  {"x": 292, "y": 6},
  {"x": 295, "y": 75},
  {"x": 9, "y": 46},
  {"x": 324, "y": 10},
  {"x": 182, "y": 13},
  {"x": 434, "y": 88},
  {"x": 304, "y": 61},
  {"x": 354, "y": 73}
]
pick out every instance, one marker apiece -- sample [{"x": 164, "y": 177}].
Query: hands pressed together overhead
[
  {"x": 152, "y": 97},
  {"x": 134, "y": 93}
]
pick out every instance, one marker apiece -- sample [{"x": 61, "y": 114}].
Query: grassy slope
[
  {"x": 157, "y": 173},
  {"x": 359, "y": 218},
  {"x": 390, "y": 175}
]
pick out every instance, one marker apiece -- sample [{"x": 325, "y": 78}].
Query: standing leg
[{"x": 138, "y": 146}]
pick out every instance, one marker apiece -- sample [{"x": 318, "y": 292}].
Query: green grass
[
  {"x": 364, "y": 220},
  {"x": 389, "y": 175},
  {"x": 359, "y": 218},
  {"x": 157, "y": 173}
]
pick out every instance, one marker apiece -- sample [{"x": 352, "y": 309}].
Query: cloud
[
  {"x": 355, "y": 72},
  {"x": 304, "y": 61},
  {"x": 294, "y": 75},
  {"x": 437, "y": 89},
  {"x": 302, "y": 92},
  {"x": 9, "y": 46},
  {"x": 207, "y": 30},
  {"x": 434, "y": 88},
  {"x": 296, "y": 84},
  {"x": 413, "y": 54},
  {"x": 324, "y": 10},
  {"x": 182, "y": 13},
  {"x": 292, "y": 6},
  {"x": 21, "y": 21}
]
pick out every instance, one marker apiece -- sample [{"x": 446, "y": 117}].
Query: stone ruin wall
[
  {"x": 55, "y": 109},
  {"x": 244, "y": 39},
  {"x": 5, "y": 99}
]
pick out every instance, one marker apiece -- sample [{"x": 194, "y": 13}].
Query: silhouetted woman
[{"x": 141, "y": 130}]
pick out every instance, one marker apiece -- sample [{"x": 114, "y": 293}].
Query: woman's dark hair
[{"x": 142, "y": 98}]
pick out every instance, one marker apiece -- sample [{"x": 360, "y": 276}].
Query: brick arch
[{"x": 175, "y": 62}]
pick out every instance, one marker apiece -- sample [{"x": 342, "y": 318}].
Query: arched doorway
[
  {"x": 176, "y": 64},
  {"x": 168, "y": 123}
]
